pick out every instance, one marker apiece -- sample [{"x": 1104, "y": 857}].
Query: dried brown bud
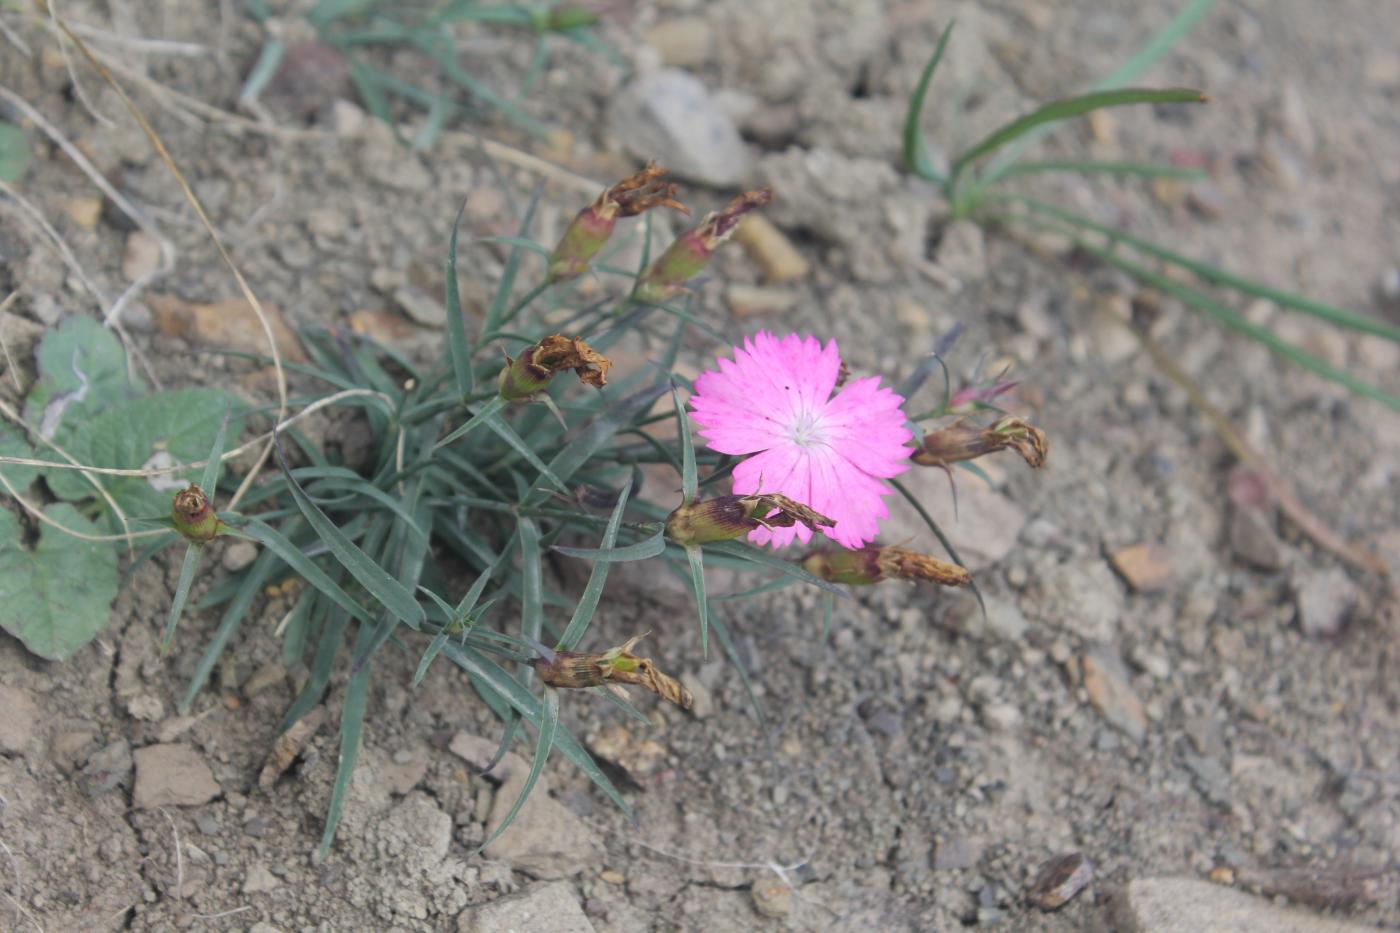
[
  {"x": 691, "y": 251},
  {"x": 575, "y": 670},
  {"x": 593, "y": 225},
  {"x": 874, "y": 563},
  {"x": 964, "y": 441},
  {"x": 727, "y": 517},
  {"x": 525, "y": 377}
]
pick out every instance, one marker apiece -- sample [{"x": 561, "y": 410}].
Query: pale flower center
[{"x": 807, "y": 430}]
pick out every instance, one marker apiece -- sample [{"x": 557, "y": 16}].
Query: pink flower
[{"x": 830, "y": 452}]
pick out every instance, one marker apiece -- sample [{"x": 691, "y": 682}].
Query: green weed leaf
[{"x": 55, "y": 598}]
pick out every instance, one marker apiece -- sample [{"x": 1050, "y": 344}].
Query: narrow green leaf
[
  {"x": 1072, "y": 107},
  {"x": 328, "y": 647},
  {"x": 695, "y": 557},
  {"x": 210, "y": 480},
  {"x": 599, "y": 432},
  {"x": 588, "y": 602},
  {"x": 309, "y": 571},
  {"x": 938, "y": 533},
  {"x": 1132, "y": 69},
  {"x": 642, "y": 550},
  {"x": 1238, "y": 322},
  {"x": 690, "y": 481},
  {"x": 506, "y": 433},
  {"x": 434, "y": 648},
  {"x": 371, "y": 576},
  {"x": 1157, "y": 46},
  {"x": 269, "y": 59},
  {"x": 483, "y": 414},
  {"x": 249, "y": 588},
  {"x": 352, "y": 721},
  {"x": 1094, "y": 167},
  {"x": 1318, "y": 309},
  {"x": 732, "y": 650},
  {"x": 520, "y": 242},
  {"x": 182, "y": 592},
  {"x": 771, "y": 586},
  {"x": 457, "y": 343},
  {"x": 916, "y": 157},
  {"x": 531, "y": 585},
  {"x": 757, "y": 555},
  {"x": 549, "y": 723},
  {"x": 495, "y": 315},
  {"x": 527, "y": 704},
  {"x": 298, "y": 628}
]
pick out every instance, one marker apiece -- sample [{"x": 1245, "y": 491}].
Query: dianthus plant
[{"x": 526, "y": 438}]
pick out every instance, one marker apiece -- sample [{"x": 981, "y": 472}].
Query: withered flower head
[
  {"x": 964, "y": 441},
  {"x": 193, "y": 516},
  {"x": 593, "y": 225},
  {"x": 874, "y": 563},
  {"x": 727, "y": 517},
  {"x": 691, "y": 251},
  {"x": 524, "y": 377},
  {"x": 575, "y": 670}
]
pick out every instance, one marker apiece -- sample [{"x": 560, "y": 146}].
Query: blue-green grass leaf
[
  {"x": 593, "y": 591},
  {"x": 390, "y": 593},
  {"x": 549, "y": 723},
  {"x": 916, "y": 157},
  {"x": 352, "y": 721},
  {"x": 458, "y": 346},
  {"x": 182, "y": 592}
]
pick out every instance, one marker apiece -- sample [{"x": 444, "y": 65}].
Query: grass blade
[
  {"x": 549, "y": 722},
  {"x": 1056, "y": 111},
  {"x": 483, "y": 415},
  {"x": 1126, "y": 73},
  {"x": 916, "y": 157},
  {"x": 1094, "y": 167},
  {"x": 1157, "y": 46},
  {"x": 757, "y": 555},
  {"x": 588, "y": 602},
  {"x": 457, "y": 343},
  {"x": 1238, "y": 322},
  {"x": 434, "y": 648},
  {"x": 210, "y": 480},
  {"x": 182, "y": 592},
  {"x": 352, "y": 722},
  {"x": 690, "y": 482},
  {"x": 1330, "y": 313},
  {"x": 309, "y": 571},
  {"x": 506, "y": 433},
  {"x": 514, "y": 693},
  {"x": 371, "y": 576},
  {"x": 495, "y": 315},
  {"x": 531, "y": 586},
  {"x": 327, "y": 650},
  {"x": 732, "y": 651},
  {"x": 601, "y": 430},
  {"x": 248, "y": 590},
  {"x": 938, "y": 533},
  {"x": 642, "y": 550},
  {"x": 695, "y": 557}
]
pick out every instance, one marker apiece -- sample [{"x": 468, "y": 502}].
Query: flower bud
[
  {"x": 964, "y": 441},
  {"x": 874, "y": 563},
  {"x": 593, "y": 225},
  {"x": 691, "y": 251},
  {"x": 526, "y": 376},
  {"x": 576, "y": 670},
  {"x": 193, "y": 516},
  {"x": 728, "y": 517}
]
